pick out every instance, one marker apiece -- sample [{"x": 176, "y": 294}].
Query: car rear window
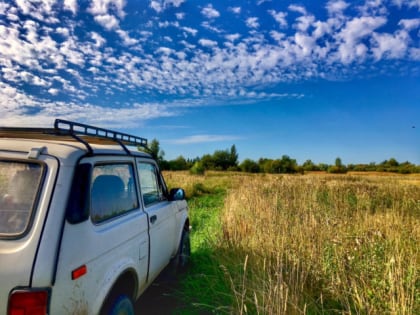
[{"x": 19, "y": 186}]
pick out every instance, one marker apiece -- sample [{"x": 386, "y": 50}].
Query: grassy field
[{"x": 304, "y": 244}]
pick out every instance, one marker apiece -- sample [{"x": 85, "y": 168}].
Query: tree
[
  {"x": 308, "y": 166},
  {"x": 288, "y": 165},
  {"x": 265, "y": 165},
  {"x": 207, "y": 162},
  {"x": 338, "y": 168},
  {"x": 338, "y": 162},
  {"x": 179, "y": 164},
  {"x": 153, "y": 148},
  {"x": 249, "y": 166},
  {"x": 283, "y": 165},
  {"x": 222, "y": 160},
  {"x": 392, "y": 162},
  {"x": 323, "y": 167},
  {"x": 233, "y": 157}
]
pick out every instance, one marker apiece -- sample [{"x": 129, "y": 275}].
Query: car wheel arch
[{"x": 126, "y": 284}]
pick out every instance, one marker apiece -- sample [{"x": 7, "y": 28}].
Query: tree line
[{"x": 227, "y": 160}]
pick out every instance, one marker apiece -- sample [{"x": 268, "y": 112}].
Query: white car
[{"x": 86, "y": 223}]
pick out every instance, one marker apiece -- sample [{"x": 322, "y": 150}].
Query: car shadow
[{"x": 161, "y": 296}]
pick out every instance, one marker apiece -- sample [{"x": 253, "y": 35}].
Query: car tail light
[{"x": 27, "y": 302}]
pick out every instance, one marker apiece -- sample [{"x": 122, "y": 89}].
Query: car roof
[
  {"x": 69, "y": 151},
  {"x": 71, "y": 140}
]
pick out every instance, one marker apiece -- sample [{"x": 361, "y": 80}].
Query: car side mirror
[{"x": 176, "y": 194}]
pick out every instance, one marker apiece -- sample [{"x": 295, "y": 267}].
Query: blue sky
[{"x": 309, "y": 79}]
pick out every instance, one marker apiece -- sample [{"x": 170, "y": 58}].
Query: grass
[
  {"x": 312, "y": 244},
  {"x": 204, "y": 286}
]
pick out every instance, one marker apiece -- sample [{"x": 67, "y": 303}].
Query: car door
[
  {"x": 111, "y": 240},
  {"x": 161, "y": 215}
]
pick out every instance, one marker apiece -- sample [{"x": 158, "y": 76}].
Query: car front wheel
[
  {"x": 182, "y": 258},
  {"x": 184, "y": 250}
]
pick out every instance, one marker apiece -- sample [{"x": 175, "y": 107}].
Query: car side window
[
  {"x": 113, "y": 191},
  {"x": 19, "y": 188},
  {"x": 151, "y": 185}
]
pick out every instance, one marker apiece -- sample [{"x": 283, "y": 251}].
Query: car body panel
[{"x": 17, "y": 255}]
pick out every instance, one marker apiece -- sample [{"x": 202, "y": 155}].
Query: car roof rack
[{"x": 83, "y": 133}]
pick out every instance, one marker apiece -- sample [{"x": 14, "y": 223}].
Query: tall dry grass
[{"x": 318, "y": 244}]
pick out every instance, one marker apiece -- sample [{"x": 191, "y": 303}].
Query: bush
[
  {"x": 337, "y": 169},
  {"x": 197, "y": 169}
]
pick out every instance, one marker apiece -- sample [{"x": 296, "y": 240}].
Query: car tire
[
  {"x": 122, "y": 306},
  {"x": 184, "y": 250},
  {"x": 182, "y": 258}
]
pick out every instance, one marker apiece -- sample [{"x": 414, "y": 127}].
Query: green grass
[{"x": 204, "y": 288}]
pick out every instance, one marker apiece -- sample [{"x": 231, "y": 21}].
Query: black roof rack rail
[
  {"x": 83, "y": 133},
  {"x": 76, "y": 129}
]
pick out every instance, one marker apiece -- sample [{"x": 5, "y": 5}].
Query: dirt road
[{"x": 160, "y": 298}]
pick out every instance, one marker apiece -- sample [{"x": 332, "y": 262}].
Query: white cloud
[
  {"x": 390, "y": 46},
  {"x": 40, "y": 9},
  {"x": 236, "y": 10},
  {"x": 306, "y": 44},
  {"x": 109, "y": 22},
  {"x": 31, "y": 28},
  {"x": 252, "y": 22},
  {"x": 412, "y": 3},
  {"x": 160, "y": 5},
  {"x": 304, "y": 22},
  {"x": 166, "y": 24},
  {"x": 209, "y": 12},
  {"x": 165, "y": 50},
  {"x": 408, "y": 3},
  {"x": 25, "y": 6},
  {"x": 12, "y": 16},
  {"x": 99, "y": 40},
  {"x": 350, "y": 46},
  {"x": 409, "y": 24},
  {"x": 335, "y": 7},
  {"x": 127, "y": 40},
  {"x": 321, "y": 29},
  {"x": 4, "y": 7},
  {"x": 297, "y": 8},
  {"x": 53, "y": 91},
  {"x": 70, "y": 50},
  {"x": 233, "y": 37},
  {"x": 414, "y": 53},
  {"x": 207, "y": 42},
  {"x": 63, "y": 31},
  {"x": 262, "y": 1},
  {"x": 208, "y": 26},
  {"x": 190, "y": 30},
  {"x": 373, "y": 7},
  {"x": 17, "y": 109},
  {"x": 71, "y": 5},
  {"x": 280, "y": 17},
  {"x": 277, "y": 35},
  {"x": 157, "y": 6},
  {"x": 175, "y": 3},
  {"x": 105, "y": 7}
]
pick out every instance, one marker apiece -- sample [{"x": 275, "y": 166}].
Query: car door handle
[{"x": 153, "y": 219}]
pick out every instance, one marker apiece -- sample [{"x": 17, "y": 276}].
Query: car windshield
[{"x": 19, "y": 183}]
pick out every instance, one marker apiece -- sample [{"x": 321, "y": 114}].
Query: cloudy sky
[{"x": 309, "y": 79}]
